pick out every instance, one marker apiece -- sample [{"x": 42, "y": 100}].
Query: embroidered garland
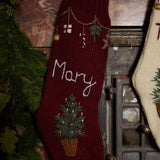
[
  {"x": 95, "y": 28},
  {"x": 69, "y": 11}
]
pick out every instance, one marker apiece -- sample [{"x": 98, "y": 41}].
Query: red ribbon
[{"x": 158, "y": 24}]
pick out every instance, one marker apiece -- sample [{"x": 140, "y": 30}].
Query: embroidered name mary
[{"x": 68, "y": 75}]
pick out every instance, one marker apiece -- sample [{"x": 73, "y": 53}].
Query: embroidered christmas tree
[
  {"x": 156, "y": 90},
  {"x": 70, "y": 124}
]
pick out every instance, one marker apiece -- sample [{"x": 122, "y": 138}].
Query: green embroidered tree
[
  {"x": 71, "y": 122},
  {"x": 156, "y": 91},
  {"x": 21, "y": 80}
]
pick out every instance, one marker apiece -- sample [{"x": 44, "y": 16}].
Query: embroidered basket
[
  {"x": 70, "y": 148},
  {"x": 157, "y": 6}
]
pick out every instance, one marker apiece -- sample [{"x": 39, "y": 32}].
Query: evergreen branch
[{"x": 21, "y": 78}]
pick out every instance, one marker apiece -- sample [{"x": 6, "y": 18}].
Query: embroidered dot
[{"x": 69, "y": 31}]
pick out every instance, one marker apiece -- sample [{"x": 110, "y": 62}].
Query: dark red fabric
[{"x": 90, "y": 61}]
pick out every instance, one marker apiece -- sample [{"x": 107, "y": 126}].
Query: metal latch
[
  {"x": 145, "y": 129},
  {"x": 110, "y": 91}
]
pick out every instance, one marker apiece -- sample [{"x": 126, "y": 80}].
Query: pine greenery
[
  {"x": 70, "y": 122},
  {"x": 22, "y": 69},
  {"x": 12, "y": 3},
  {"x": 156, "y": 91}
]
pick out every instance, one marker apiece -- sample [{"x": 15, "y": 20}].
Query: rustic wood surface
[{"x": 37, "y": 19}]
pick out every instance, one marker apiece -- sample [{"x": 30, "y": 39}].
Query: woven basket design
[
  {"x": 157, "y": 6},
  {"x": 70, "y": 149}
]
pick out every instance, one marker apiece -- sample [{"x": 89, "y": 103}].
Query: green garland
[
  {"x": 21, "y": 80},
  {"x": 12, "y": 3}
]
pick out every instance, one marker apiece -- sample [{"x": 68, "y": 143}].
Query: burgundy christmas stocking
[{"x": 67, "y": 117}]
